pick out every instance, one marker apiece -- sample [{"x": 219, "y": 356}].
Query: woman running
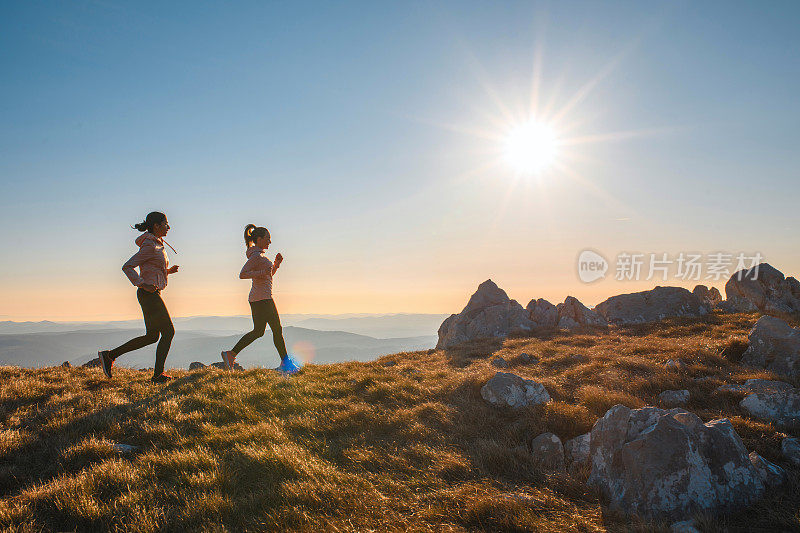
[
  {"x": 151, "y": 279},
  {"x": 260, "y": 270}
]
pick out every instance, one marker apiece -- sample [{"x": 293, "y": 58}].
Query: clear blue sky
[{"x": 345, "y": 128}]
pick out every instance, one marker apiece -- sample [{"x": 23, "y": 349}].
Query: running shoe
[
  {"x": 289, "y": 365},
  {"x": 106, "y": 362},
  {"x": 228, "y": 358},
  {"x": 161, "y": 378}
]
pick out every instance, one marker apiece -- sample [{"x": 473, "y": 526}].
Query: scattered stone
[
  {"x": 505, "y": 389},
  {"x": 94, "y": 363},
  {"x": 771, "y": 474},
  {"x": 499, "y": 362},
  {"x": 542, "y": 313},
  {"x": 573, "y": 314},
  {"x": 676, "y": 365},
  {"x": 66, "y": 364},
  {"x": 489, "y": 313},
  {"x": 668, "y": 465},
  {"x": 674, "y": 398},
  {"x": 651, "y": 306},
  {"x": 146, "y": 369},
  {"x": 221, "y": 366},
  {"x": 774, "y": 346},
  {"x": 125, "y": 448},
  {"x": 780, "y": 407},
  {"x": 686, "y": 526},
  {"x": 389, "y": 363},
  {"x": 790, "y": 447},
  {"x": 756, "y": 385},
  {"x": 577, "y": 449},
  {"x": 548, "y": 452},
  {"x": 710, "y": 297},
  {"x": 197, "y": 365},
  {"x": 528, "y": 359},
  {"x": 764, "y": 288}
]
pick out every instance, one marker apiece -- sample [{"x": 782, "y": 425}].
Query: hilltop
[{"x": 402, "y": 443}]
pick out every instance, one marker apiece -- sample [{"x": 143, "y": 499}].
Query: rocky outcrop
[
  {"x": 542, "y": 313},
  {"x": 509, "y": 390},
  {"x": 710, "y": 297},
  {"x": 489, "y": 313},
  {"x": 790, "y": 448},
  {"x": 674, "y": 398},
  {"x": 577, "y": 451},
  {"x": 94, "y": 363},
  {"x": 548, "y": 452},
  {"x": 573, "y": 314},
  {"x": 771, "y": 474},
  {"x": 782, "y": 407},
  {"x": 651, "y": 306},
  {"x": 775, "y": 346},
  {"x": 764, "y": 288},
  {"x": 499, "y": 362},
  {"x": 668, "y": 464},
  {"x": 196, "y": 365}
]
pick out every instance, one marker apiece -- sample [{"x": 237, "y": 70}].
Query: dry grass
[{"x": 357, "y": 446}]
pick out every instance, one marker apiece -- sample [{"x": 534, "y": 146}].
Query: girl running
[
  {"x": 151, "y": 280},
  {"x": 261, "y": 270}
]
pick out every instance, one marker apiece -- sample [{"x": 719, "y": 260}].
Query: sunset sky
[{"x": 371, "y": 139}]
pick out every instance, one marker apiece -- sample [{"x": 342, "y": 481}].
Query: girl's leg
[
  {"x": 151, "y": 323},
  {"x": 167, "y": 330},
  {"x": 274, "y": 321},
  {"x": 259, "y": 311}
]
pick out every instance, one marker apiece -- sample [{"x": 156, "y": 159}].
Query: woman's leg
[
  {"x": 259, "y": 311},
  {"x": 151, "y": 323},
  {"x": 274, "y": 321},
  {"x": 167, "y": 330}
]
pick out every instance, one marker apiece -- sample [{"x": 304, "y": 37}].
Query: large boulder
[
  {"x": 573, "y": 314},
  {"x": 548, "y": 452},
  {"x": 710, "y": 297},
  {"x": 764, "y": 288},
  {"x": 651, "y": 306},
  {"x": 668, "y": 464},
  {"x": 542, "y": 313},
  {"x": 489, "y": 313},
  {"x": 775, "y": 346},
  {"x": 781, "y": 407},
  {"x": 577, "y": 450},
  {"x": 509, "y": 390}
]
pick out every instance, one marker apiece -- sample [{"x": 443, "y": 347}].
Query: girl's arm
[
  {"x": 277, "y": 263},
  {"x": 250, "y": 269},
  {"x": 144, "y": 254}
]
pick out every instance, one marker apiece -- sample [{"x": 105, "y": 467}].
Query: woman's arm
[
  {"x": 277, "y": 263},
  {"x": 144, "y": 254},
  {"x": 250, "y": 269}
]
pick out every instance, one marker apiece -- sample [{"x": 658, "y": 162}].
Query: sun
[{"x": 531, "y": 148}]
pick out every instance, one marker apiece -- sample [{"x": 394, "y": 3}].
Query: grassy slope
[{"x": 354, "y": 446}]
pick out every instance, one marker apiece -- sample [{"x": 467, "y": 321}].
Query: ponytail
[
  {"x": 150, "y": 220},
  {"x": 253, "y": 232}
]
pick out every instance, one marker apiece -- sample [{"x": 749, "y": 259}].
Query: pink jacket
[
  {"x": 259, "y": 269},
  {"x": 152, "y": 262}
]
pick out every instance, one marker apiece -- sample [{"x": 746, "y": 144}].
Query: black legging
[
  {"x": 157, "y": 323},
  {"x": 264, "y": 312}
]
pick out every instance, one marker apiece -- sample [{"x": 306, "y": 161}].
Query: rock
[
  {"x": 755, "y": 385},
  {"x": 389, "y": 363},
  {"x": 685, "y": 526},
  {"x": 651, "y": 306},
  {"x": 542, "y": 313},
  {"x": 710, "y": 297},
  {"x": 548, "y": 452},
  {"x": 197, "y": 365},
  {"x": 528, "y": 359},
  {"x": 499, "y": 362},
  {"x": 774, "y": 346},
  {"x": 221, "y": 366},
  {"x": 674, "y": 398},
  {"x": 66, "y": 364},
  {"x": 505, "y": 389},
  {"x": 573, "y": 314},
  {"x": 737, "y": 304},
  {"x": 125, "y": 448},
  {"x": 790, "y": 447},
  {"x": 675, "y": 365},
  {"x": 771, "y": 474},
  {"x": 764, "y": 288},
  {"x": 489, "y": 313},
  {"x": 779, "y": 407},
  {"x": 577, "y": 449},
  {"x": 94, "y": 363},
  {"x": 667, "y": 464}
]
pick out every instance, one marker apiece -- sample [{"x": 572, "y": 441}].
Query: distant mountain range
[{"x": 332, "y": 339}]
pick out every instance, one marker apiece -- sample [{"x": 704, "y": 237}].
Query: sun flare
[{"x": 531, "y": 148}]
